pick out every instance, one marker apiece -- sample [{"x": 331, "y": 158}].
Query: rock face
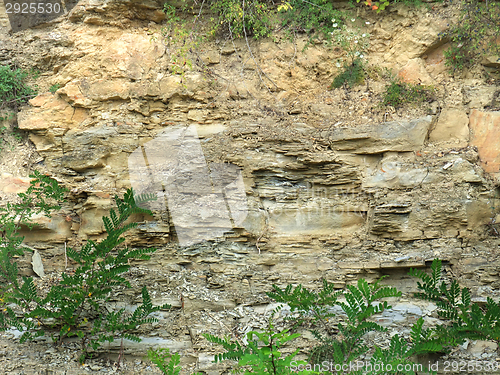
[
  {"x": 485, "y": 127},
  {"x": 259, "y": 181},
  {"x": 452, "y": 125}
]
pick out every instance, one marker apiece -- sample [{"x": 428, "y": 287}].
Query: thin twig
[
  {"x": 120, "y": 356},
  {"x": 259, "y": 70},
  {"x": 222, "y": 325}
]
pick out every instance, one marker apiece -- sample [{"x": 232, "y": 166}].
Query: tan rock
[
  {"x": 106, "y": 89},
  {"x": 313, "y": 218},
  {"x": 485, "y": 133},
  {"x": 198, "y": 115},
  {"x": 133, "y": 54},
  {"x": 491, "y": 61},
  {"x": 12, "y": 184},
  {"x": 74, "y": 94},
  {"x": 55, "y": 229},
  {"x": 414, "y": 72},
  {"x": 477, "y": 348},
  {"x": 44, "y": 142},
  {"x": 452, "y": 124},
  {"x": 169, "y": 86},
  {"x": 478, "y": 97},
  {"x": 211, "y": 57},
  {"x": 408, "y": 42},
  {"x": 393, "y": 173},
  {"x": 435, "y": 60},
  {"x": 378, "y": 138},
  {"x": 49, "y": 111},
  {"x": 478, "y": 213}
]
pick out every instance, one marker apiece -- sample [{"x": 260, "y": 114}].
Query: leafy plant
[
  {"x": 466, "y": 318},
  {"x": 397, "y": 358},
  {"x": 352, "y": 74},
  {"x": 398, "y": 93},
  {"x": 168, "y": 363},
  {"x": 354, "y": 43},
  {"x": 474, "y": 35},
  {"x": 381, "y": 5},
  {"x": 38, "y": 199},
  {"x": 250, "y": 18},
  {"x": 343, "y": 343},
  {"x": 182, "y": 39},
  {"x": 13, "y": 88},
  {"x": 54, "y": 88},
  {"x": 312, "y": 17},
  {"x": 261, "y": 354},
  {"x": 350, "y": 39},
  {"x": 76, "y": 305}
]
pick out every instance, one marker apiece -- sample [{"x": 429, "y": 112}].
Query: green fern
[
  {"x": 166, "y": 362},
  {"x": 100, "y": 269},
  {"x": 261, "y": 354},
  {"x": 397, "y": 359},
  {"x": 362, "y": 301},
  {"x": 466, "y": 319}
]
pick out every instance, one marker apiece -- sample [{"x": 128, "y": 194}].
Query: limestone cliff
[{"x": 326, "y": 183}]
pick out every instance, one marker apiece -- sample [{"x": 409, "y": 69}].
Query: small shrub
[
  {"x": 250, "y": 18},
  {"x": 166, "y": 362},
  {"x": 354, "y": 43},
  {"x": 54, "y": 88},
  {"x": 75, "y": 306},
  {"x": 352, "y": 74},
  {"x": 381, "y": 5},
  {"x": 262, "y": 352},
  {"x": 312, "y": 17},
  {"x": 399, "y": 93},
  {"x": 13, "y": 88},
  {"x": 182, "y": 40},
  {"x": 474, "y": 35},
  {"x": 342, "y": 341},
  {"x": 467, "y": 319}
]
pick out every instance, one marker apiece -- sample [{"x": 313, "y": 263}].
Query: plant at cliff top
[
  {"x": 467, "y": 319},
  {"x": 398, "y": 93},
  {"x": 244, "y": 18},
  {"x": 376, "y": 5},
  {"x": 262, "y": 353},
  {"x": 381, "y": 5},
  {"x": 475, "y": 34},
  {"x": 181, "y": 40},
  {"x": 75, "y": 306},
  {"x": 354, "y": 43},
  {"x": 13, "y": 88},
  {"x": 311, "y": 17}
]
